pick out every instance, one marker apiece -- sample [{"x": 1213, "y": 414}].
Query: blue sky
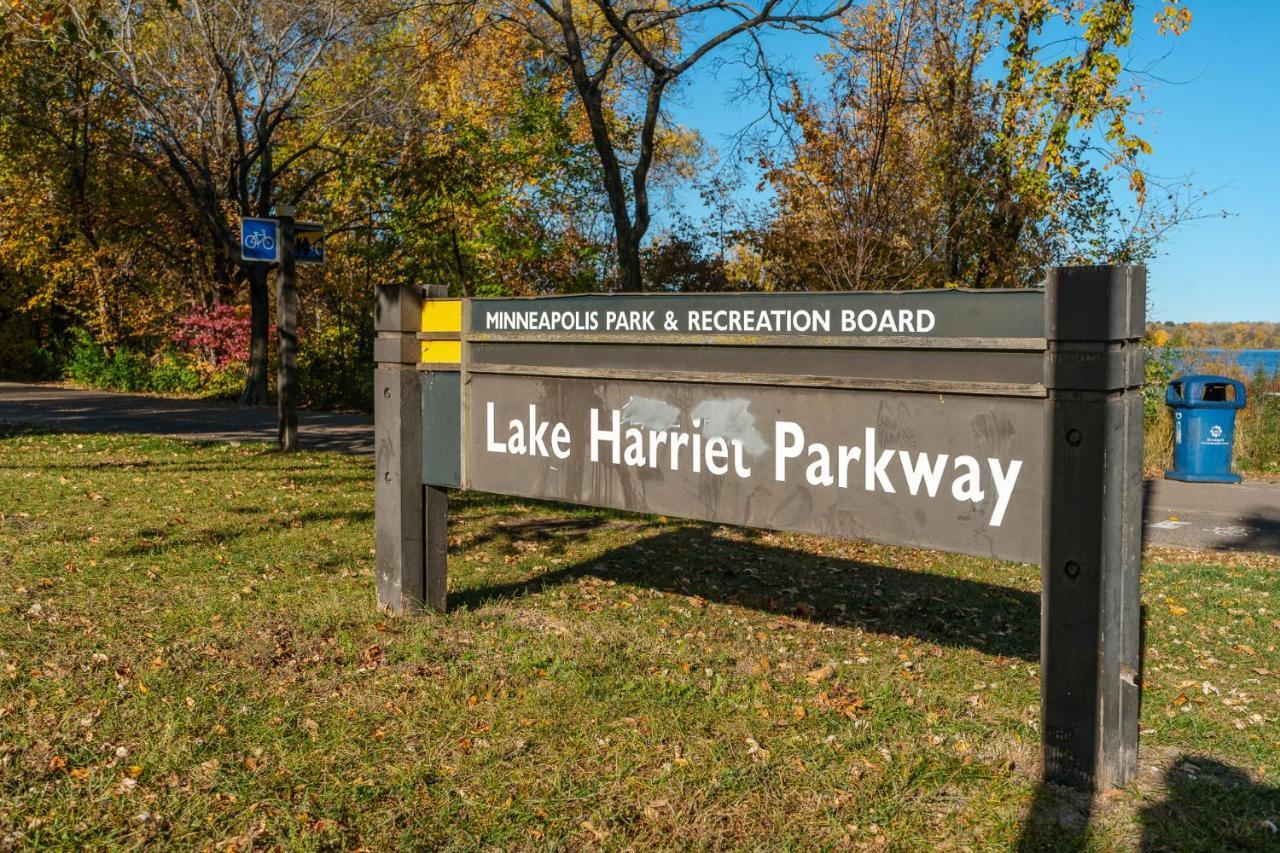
[{"x": 1213, "y": 118}]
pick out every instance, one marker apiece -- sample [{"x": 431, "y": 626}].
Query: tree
[
  {"x": 916, "y": 169},
  {"x": 219, "y": 89},
  {"x": 615, "y": 49},
  {"x": 77, "y": 230}
]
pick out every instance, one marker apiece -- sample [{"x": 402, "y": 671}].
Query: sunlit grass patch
[{"x": 191, "y": 654}]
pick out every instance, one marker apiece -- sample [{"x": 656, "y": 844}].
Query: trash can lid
[{"x": 1206, "y": 391}]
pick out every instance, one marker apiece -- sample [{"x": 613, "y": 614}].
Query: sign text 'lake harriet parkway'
[
  {"x": 646, "y": 434},
  {"x": 1005, "y": 424}
]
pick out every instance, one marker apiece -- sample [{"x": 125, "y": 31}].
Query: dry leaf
[{"x": 820, "y": 674}]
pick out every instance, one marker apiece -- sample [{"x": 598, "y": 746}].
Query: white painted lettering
[
  {"x": 875, "y": 468},
  {"x": 819, "y": 471},
  {"x": 491, "y": 444},
  {"x": 1004, "y": 482},
  {"x": 968, "y": 486},
  {"x": 920, "y": 473},
  {"x": 560, "y": 441},
  {"x": 788, "y": 438},
  {"x": 613, "y": 436}
]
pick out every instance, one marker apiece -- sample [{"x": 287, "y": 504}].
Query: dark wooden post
[
  {"x": 399, "y": 506},
  {"x": 287, "y": 333},
  {"x": 1090, "y": 653}
]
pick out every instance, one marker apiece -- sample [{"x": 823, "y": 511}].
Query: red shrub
[{"x": 219, "y": 335}]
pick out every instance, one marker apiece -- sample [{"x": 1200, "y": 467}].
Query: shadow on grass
[
  {"x": 1199, "y": 804},
  {"x": 1209, "y": 805},
  {"x": 152, "y": 541},
  {"x": 693, "y": 561}
]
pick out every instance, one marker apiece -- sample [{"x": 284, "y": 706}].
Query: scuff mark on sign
[
  {"x": 730, "y": 419},
  {"x": 650, "y": 413}
]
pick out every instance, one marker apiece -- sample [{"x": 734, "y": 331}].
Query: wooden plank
[
  {"x": 944, "y": 366},
  {"x": 772, "y": 379},
  {"x": 868, "y": 342}
]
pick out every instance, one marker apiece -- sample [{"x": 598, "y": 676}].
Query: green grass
[{"x": 191, "y": 656}]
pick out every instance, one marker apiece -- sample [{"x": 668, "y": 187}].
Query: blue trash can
[{"x": 1204, "y": 427}]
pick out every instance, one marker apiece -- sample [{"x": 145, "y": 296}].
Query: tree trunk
[
  {"x": 255, "y": 385},
  {"x": 629, "y": 278}
]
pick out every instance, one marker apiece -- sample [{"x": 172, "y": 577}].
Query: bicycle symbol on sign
[{"x": 260, "y": 240}]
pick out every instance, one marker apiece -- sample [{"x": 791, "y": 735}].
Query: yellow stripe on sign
[
  {"x": 442, "y": 315},
  {"x": 441, "y": 352}
]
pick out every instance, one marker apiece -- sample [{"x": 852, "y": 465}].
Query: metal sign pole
[{"x": 287, "y": 334}]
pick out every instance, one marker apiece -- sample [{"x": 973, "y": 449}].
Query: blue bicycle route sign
[{"x": 260, "y": 240}]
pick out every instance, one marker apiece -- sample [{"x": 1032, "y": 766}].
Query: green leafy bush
[
  {"x": 172, "y": 374},
  {"x": 1157, "y": 424},
  {"x": 127, "y": 369}
]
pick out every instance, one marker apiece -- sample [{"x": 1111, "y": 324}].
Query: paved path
[
  {"x": 1181, "y": 515},
  {"x": 1213, "y": 516},
  {"x": 76, "y": 410}
]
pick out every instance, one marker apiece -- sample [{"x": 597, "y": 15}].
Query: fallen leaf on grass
[
  {"x": 822, "y": 673},
  {"x": 654, "y": 810},
  {"x": 371, "y": 658},
  {"x": 600, "y": 835}
]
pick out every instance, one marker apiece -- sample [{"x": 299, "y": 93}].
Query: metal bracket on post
[
  {"x": 399, "y": 512},
  {"x": 1090, "y": 655}
]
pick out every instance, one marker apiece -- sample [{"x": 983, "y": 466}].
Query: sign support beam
[
  {"x": 397, "y": 416},
  {"x": 409, "y": 517},
  {"x": 287, "y": 334},
  {"x": 1090, "y": 655}
]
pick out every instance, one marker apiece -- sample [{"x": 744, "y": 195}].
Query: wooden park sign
[{"x": 1001, "y": 423}]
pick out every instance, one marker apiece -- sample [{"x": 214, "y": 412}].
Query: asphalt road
[
  {"x": 1199, "y": 516},
  {"x": 1213, "y": 516},
  {"x": 77, "y": 410}
]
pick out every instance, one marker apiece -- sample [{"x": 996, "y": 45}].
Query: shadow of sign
[
  {"x": 694, "y": 561},
  {"x": 1209, "y": 805},
  {"x": 1257, "y": 532},
  {"x": 1212, "y": 516},
  {"x": 1194, "y": 803}
]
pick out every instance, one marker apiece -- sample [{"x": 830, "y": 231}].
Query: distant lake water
[{"x": 1248, "y": 359}]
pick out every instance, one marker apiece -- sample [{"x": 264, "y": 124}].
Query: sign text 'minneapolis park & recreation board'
[{"x": 1001, "y": 423}]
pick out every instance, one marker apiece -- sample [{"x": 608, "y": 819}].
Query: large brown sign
[
  {"x": 999, "y": 423},
  {"x": 960, "y": 473}
]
